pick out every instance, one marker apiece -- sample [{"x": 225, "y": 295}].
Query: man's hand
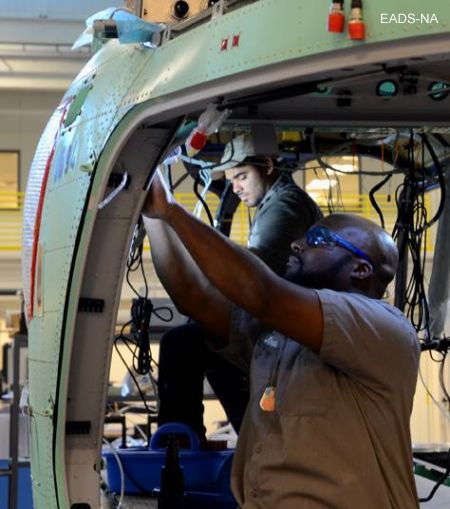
[{"x": 159, "y": 198}]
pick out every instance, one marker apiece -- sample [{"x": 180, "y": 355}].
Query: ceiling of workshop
[{"x": 35, "y": 41}]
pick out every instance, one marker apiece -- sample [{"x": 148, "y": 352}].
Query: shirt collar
[{"x": 283, "y": 179}]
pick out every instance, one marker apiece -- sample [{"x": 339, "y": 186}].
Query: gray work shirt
[
  {"x": 284, "y": 215},
  {"x": 339, "y": 436}
]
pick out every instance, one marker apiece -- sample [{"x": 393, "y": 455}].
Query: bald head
[{"x": 371, "y": 239}]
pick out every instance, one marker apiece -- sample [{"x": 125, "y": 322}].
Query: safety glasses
[{"x": 321, "y": 236}]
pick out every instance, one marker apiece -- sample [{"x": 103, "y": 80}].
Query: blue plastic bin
[
  {"x": 24, "y": 496},
  {"x": 206, "y": 473}
]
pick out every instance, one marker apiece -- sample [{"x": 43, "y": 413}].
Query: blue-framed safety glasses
[{"x": 322, "y": 236}]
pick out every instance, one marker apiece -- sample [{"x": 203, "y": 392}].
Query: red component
[
  {"x": 336, "y": 22},
  {"x": 37, "y": 229},
  {"x": 224, "y": 45},
  {"x": 198, "y": 140},
  {"x": 356, "y": 30},
  {"x": 236, "y": 40},
  {"x": 38, "y": 219}
]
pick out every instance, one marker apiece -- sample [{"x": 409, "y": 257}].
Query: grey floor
[{"x": 441, "y": 499}]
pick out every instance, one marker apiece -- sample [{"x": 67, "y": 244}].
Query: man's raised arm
[
  {"x": 189, "y": 289},
  {"x": 239, "y": 275}
]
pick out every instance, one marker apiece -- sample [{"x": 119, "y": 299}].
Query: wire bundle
[
  {"x": 138, "y": 342},
  {"x": 410, "y": 233}
]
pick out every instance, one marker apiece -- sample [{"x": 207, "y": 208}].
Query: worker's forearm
[
  {"x": 174, "y": 266},
  {"x": 233, "y": 270}
]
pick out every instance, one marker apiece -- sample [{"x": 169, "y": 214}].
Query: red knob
[
  {"x": 356, "y": 30},
  {"x": 336, "y": 22}
]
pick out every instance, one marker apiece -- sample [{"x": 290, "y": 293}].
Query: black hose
[{"x": 373, "y": 201}]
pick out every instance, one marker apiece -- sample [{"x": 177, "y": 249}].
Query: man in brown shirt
[{"x": 333, "y": 368}]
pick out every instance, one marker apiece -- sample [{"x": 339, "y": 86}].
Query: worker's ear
[
  {"x": 362, "y": 269},
  {"x": 269, "y": 165}
]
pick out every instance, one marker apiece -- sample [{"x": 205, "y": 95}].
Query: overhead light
[
  {"x": 387, "y": 88},
  {"x": 345, "y": 164},
  {"x": 315, "y": 195},
  {"x": 321, "y": 184},
  {"x": 323, "y": 90}
]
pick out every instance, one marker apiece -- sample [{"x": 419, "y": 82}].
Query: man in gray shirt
[
  {"x": 333, "y": 368},
  {"x": 283, "y": 213}
]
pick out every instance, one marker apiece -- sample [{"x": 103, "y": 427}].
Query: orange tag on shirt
[{"x": 267, "y": 401}]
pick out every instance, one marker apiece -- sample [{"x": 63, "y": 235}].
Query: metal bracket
[
  {"x": 166, "y": 35},
  {"x": 123, "y": 185},
  {"x": 115, "y": 180},
  {"x": 218, "y": 9},
  {"x": 78, "y": 427},
  {"x": 87, "y": 305}
]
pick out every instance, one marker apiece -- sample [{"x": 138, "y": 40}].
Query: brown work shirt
[{"x": 339, "y": 436}]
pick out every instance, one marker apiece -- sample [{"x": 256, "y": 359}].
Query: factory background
[{"x": 36, "y": 66}]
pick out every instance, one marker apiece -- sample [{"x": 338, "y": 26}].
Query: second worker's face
[
  {"x": 248, "y": 183},
  {"x": 318, "y": 266}
]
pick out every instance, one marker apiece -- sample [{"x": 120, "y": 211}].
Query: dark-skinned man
[
  {"x": 283, "y": 213},
  {"x": 333, "y": 367}
]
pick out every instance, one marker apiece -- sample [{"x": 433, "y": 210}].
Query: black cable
[
  {"x": 330, "y": 202},
  {"x": 439, "y": 481},
  {"x": 442, "y": 381},
  {"x": 169, "y": 318},
  {"x": 181, "y": 179},
  {"x": 169, "y": 177},
  {"x": 141, "y": 312},
  {"x": 325, "y": 165},
  {"x": 134, "y": 262},
  {"x": 410, "y": 223},
  {"x": 202, "y": 201},
  {"x": 373, "y": 200},
  {"x": 339, "y": 197},
  {"x": 141, "y": 394},
  {"x": 322, "y": 164},
  {"x": 441, "y": 179}
]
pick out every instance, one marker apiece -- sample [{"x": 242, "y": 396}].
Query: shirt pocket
[{"x": 304, "y": 385}]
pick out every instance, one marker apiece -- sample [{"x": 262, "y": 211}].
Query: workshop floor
[{"x": 441, "y": 499}]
